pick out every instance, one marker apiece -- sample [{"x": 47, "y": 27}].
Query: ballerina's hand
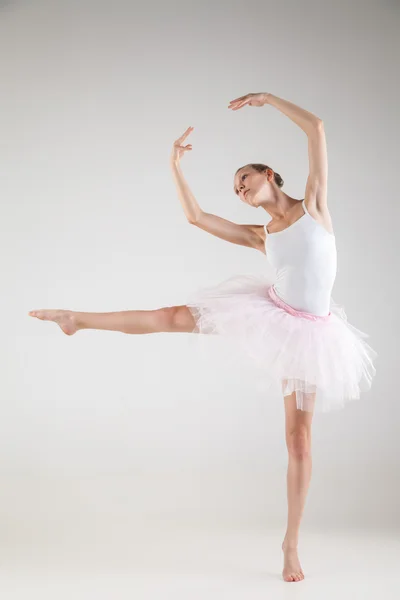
[
  {"x": 250, "y": 99},
  {"x": 178, "y": 150}
]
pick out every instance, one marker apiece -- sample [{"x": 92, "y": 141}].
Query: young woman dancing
[{"x": 290, "y": 328}]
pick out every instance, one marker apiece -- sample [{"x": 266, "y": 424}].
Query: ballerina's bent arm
[{"x": 244, "y": 235}]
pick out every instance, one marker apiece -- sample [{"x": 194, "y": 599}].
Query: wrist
[
  {"x": 174, "y": 162},
  {"x": 266, "y": 97}
]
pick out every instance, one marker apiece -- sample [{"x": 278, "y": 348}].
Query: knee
[
  {"x": 164, "y": 318},
  {"x": 299, "y": 442},
  {"x": 171, "y": 318}
]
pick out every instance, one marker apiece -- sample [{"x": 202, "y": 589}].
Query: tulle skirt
[{"x": 325, "y": 360}]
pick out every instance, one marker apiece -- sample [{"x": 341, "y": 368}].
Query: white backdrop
[{"x": 107, "y": 430}]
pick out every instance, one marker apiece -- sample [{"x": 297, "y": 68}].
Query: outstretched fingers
[
  {"x": 239, "y": 102},
  {"x": 184, "y": 135}
]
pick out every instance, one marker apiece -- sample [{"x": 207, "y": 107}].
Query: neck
[{"x": 279, "y": 205}]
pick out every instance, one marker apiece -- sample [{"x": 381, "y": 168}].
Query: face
[{"x": 253, "y": 187}]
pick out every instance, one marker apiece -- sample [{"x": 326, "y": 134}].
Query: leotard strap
[{"x": 305, "y": 207}]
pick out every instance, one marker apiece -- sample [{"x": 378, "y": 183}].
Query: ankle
[
  {"x": 290, "y": 544},
  {"x": 78, "y": 319},
  {"x": 290, "y": 548}
]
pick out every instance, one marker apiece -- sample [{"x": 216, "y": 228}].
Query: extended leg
[
  {"x": 298, "y": 441},
  {"x": 169, "y": 318}
]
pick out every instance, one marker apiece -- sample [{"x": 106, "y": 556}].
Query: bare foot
[
  {"x": 292, "y": 570},
  {"x": 66, "y": 319}
]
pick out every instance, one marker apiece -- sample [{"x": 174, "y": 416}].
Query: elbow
[
  {"x": 316, "y": 126},
  {"x": 194, "y": 219}
]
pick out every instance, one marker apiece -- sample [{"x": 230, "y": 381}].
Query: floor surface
[{"x": 163, "y": 562}]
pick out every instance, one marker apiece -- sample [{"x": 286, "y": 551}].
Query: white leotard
[{"x": 305, "y": 259}]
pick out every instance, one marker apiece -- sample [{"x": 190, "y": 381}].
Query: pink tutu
[{"x": 324, "y": 360}]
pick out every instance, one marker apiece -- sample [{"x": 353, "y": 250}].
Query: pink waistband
[{"x": 296, "y": 313}]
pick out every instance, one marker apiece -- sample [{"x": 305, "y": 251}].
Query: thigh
[
  {"x": 295, "y": 418},
  {"x": 178, "y": 319}
]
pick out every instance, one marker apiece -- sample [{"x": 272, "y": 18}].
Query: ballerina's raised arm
[{"x": 245, "y": 235}]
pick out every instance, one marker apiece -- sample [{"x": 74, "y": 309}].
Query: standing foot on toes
[{"x": 292, "y": 570}]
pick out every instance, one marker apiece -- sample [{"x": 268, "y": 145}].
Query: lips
[{"x": 245, "y": 193}]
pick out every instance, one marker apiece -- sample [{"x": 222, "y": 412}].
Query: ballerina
[{"x": 291, "y": 329}]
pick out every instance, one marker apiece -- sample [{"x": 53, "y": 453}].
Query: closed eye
[{"x": 242, "y": 177}]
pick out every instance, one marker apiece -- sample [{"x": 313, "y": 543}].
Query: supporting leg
[{"x": 298, "y": 441}]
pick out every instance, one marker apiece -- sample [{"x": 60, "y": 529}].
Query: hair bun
[{"x": 278, "y": 180}]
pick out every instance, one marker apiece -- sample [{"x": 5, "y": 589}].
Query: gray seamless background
[{"x": 104, "y": 428}]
